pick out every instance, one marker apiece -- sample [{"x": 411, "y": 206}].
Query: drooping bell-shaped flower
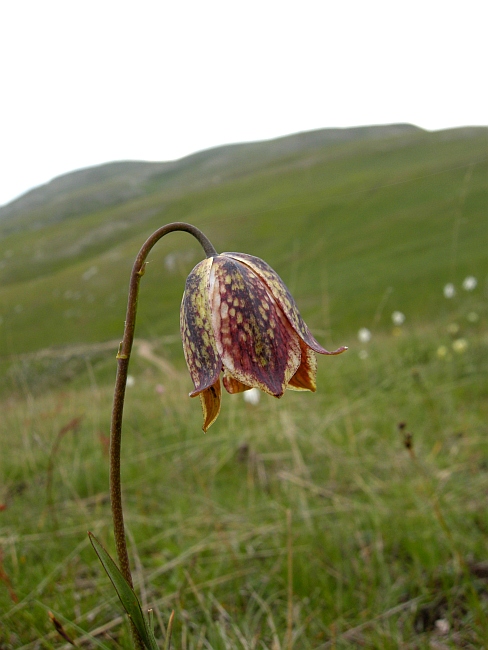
[{"x": 238, "y": 317}]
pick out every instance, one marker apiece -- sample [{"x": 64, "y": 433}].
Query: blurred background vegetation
[{"x": 354, "y": 517}]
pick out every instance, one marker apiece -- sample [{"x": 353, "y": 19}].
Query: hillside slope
[{"x": 352, "y": 219}]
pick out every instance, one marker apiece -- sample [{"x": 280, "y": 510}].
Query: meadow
[{"x": 352, "y": 517}]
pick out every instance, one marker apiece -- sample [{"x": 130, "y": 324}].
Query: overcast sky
[{"x": 82, "y": 83}]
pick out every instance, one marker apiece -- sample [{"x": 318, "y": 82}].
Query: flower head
[
  {"x": 442, "y": 352},
  {"x": 252, "y": 396},
  {"x": 398, "y": 318},
  {"x": 238, "y": 317},
  {"x": 449, "y": 290},
  {"x": 470, "y": 283},
  {"x": 364, "y": 335},
  {"x": 460, "y": 346}
]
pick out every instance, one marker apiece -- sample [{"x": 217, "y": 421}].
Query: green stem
[{"x": 123, "y": 358}]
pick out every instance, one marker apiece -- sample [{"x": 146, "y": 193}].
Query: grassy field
[
  {"x": 352, "y": 517},
  {"x": 355, "y": 219}
]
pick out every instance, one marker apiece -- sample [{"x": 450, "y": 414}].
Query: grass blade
[{"x": 125, "y": 593}]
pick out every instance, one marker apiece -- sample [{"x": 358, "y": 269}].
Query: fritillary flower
[{"x": 238, "y": 318}]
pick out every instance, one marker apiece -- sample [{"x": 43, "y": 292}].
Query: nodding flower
[{"x": 238, "y": 318}]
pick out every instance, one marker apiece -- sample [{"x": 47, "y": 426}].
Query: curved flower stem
[{"x": 123, "y": 357}]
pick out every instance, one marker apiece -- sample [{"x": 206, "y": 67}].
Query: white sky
[{"x": 82, "y": 83}]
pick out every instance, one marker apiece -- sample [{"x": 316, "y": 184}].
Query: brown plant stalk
[{"x": 123, "y": 358}]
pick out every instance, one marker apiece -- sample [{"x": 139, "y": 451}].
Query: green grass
[
  {"x": 305, "y": 522},
  {"x": 355, "y": 218},
  {"x": 383, "y": 542}
]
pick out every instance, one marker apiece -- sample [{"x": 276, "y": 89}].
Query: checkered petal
[
  {"x": 254, "y": 340},
  {"x": 199, "y": 347},
  {"x": 283, "y": 297},
  {"x": 304, "y": 378}
]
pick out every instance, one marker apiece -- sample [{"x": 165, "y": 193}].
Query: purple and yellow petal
[
  {"x": 199, "y": 347},
  {"x": 233, "y": 385},
  {"x": 304, "y": 378},
  {"x": 237, "y": 316},
  {"x": 210, "y": 401},
  {"x": 283, "y": 297},
  {"x": 254, "y": 340}
]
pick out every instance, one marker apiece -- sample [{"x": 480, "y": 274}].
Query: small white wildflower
[
  {"x": 364, "y": 335},
  {"x": 442, "y": 626},
  {"x": 473, "y": 317},
  {"x": 460, "y": 345},
  {"x": 449, "y": 290},
  {"x": 252, "y": 396},
  {"x": 470, "y": 283},
  {"x": 398, "y": 318},
  {"x": 130, "y": 381},
  {"x": 442, "y": 352},
  {"x": 363, "y": 354},
  {"x": 453, "y": 328}
]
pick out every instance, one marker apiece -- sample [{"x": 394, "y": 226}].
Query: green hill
[
  {"x": 352, "y": 517},
  {"x": 350, "y": 218}
]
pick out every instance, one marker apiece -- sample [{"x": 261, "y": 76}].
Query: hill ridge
[
  {"x": 342, "y": 222},
  {"x": 134, "y": 173}
]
